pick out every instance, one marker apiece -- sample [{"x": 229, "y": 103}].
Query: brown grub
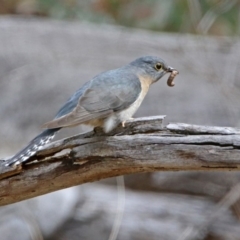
[{"x": 173, "y": 74}]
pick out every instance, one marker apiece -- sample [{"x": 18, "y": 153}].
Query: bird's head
[{"x": 152, "y": 67}]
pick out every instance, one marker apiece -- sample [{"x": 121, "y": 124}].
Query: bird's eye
[{"x": 158, "y": 66}]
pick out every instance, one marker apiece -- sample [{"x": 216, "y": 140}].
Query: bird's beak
[{"x": 170, "y": 69}]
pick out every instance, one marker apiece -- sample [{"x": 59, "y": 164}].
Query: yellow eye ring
[{"x": 158, "y": 66}]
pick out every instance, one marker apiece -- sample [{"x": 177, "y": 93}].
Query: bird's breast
[{"x": 130, "y": 111}]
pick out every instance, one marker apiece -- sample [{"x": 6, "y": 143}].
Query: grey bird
[{"x": 107, "y": 100}]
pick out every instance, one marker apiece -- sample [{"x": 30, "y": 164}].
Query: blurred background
[{"x": 49, "y": 48}]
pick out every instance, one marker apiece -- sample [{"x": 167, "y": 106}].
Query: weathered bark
[{"x": 144, "y": 145}]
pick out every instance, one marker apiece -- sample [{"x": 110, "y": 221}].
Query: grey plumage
[{"x": 106, "y": 100}]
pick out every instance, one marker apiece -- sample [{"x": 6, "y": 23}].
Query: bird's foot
[{"x": 123, "y": 123}]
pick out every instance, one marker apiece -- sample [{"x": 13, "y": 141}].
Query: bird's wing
[{"x": 104, "y": 95}]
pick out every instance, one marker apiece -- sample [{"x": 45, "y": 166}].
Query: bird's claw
[{"x": 123, "y": 123}]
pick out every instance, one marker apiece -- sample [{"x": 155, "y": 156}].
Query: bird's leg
[{"x": 123, "y": 123}]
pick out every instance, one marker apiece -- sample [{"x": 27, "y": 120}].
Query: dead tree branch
[{"x": 144, "y": 145}]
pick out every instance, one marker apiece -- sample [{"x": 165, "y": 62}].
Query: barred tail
[{"x": 35, "y": 145}]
